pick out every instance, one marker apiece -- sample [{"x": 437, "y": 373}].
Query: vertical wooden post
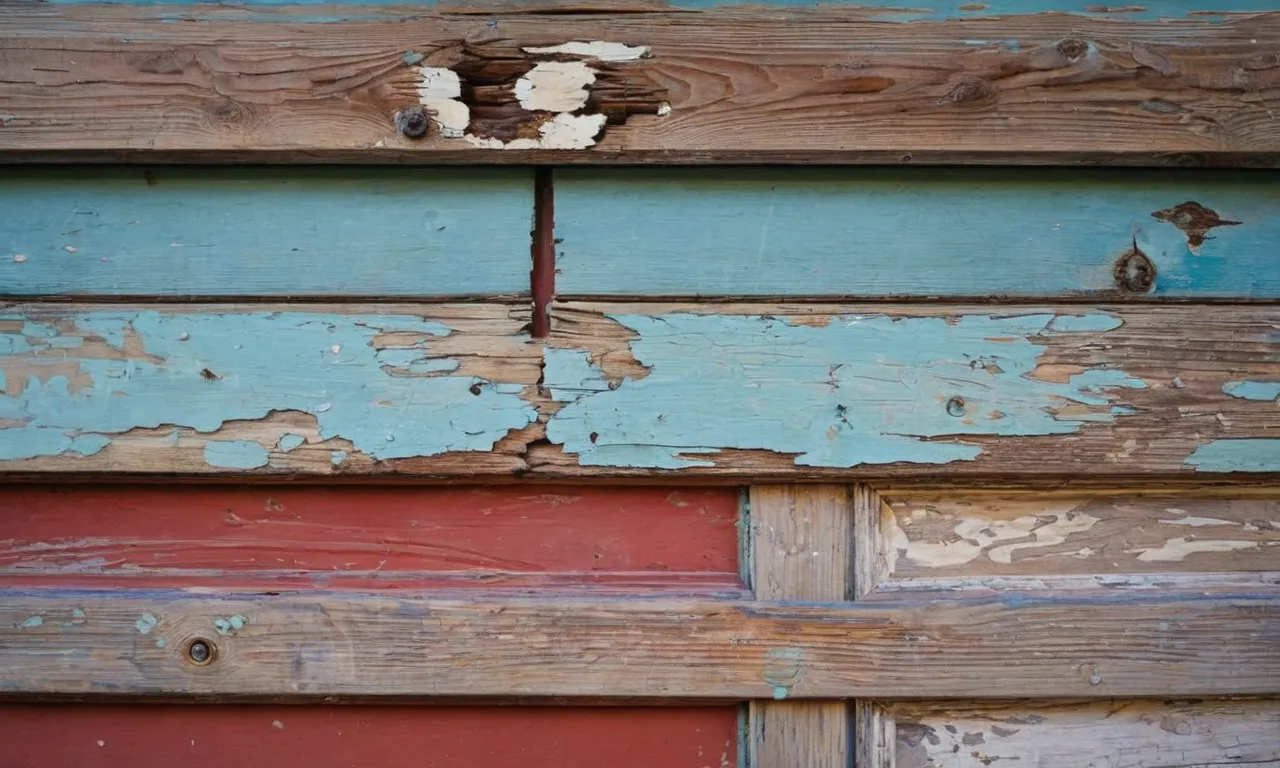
[
  {"x": 802, "y": 541},
  {"x": 874, "y": 727}
]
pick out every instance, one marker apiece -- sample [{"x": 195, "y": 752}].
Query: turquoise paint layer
[
  {"x": 860, "y": 390},
  {"x": 1253, "y": 390},
  {"x": 235, "y": 454},
  {"x": 202, "y": 369},
  {"x": 912, "y": 11},
  {"x": 267, "y": 232},
  {"x": 290, "y": 441},
  {"x": 1246, "y": 455},
  {"x": 907, "y": 231}
]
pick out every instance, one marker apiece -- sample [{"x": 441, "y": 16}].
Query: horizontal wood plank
[
  {"x": 1168, "y": 734},
  {"x": 716, "y": 390},
  {"x": 986, "y": 537},
  {"x": 686, "y": 82},
  {"x": 917, "y": 232},
  {"x": 1192, "y": 641},
  {"x": 602, "y": 540},
  {"x": 187, "y": 232},
  {"x": 816, "y": 390},
  {"x": 199, "y": 736}
]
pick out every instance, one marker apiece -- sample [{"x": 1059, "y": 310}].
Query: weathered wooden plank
[
  {"x": 815, "y": 390},
  {"x": 694, "y": 82},
  {"x": 600, "y": 540},
  {"x": 1189, "y": 641},
  {"x": 801, "y": 549},
  {"x": 1142, "y": 734},
  {"x": 201, "y": 736},
  {"x": 1031, "y": 535},
  {"x": 269, "y": 389},
  {"x": 261, "y": 232},
  {"x": 919, "y": 232}
]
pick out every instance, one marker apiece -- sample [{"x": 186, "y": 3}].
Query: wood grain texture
[
  {"x": 1141, "y": 734},
  {"x": 600, "y": 540},
  {"x": 810, "y": 390},
  {"x": 1046, "y": 82},
  {"x": 187, "y": 232},
  {"x": 1192, "y": 640},
  {"x": 801, "y": 550},
  {"x": 298, "y": 389},
  {"x": 198, "y": 736},
  {"x": 991, "y": 537},
  {"x": 917, "y": 233},
  {"x": 876, "y": 736}
]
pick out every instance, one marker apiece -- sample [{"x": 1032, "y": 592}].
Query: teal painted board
[
  {"x": 247, "y": 231},
  {"x": 917, "y": 232},
  {"x": 1063, "y": 389},
  {"x": 238, "y": 387}
]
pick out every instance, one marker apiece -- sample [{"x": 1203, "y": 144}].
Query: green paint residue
[
  {"x": 229, "y": 625},
  {"x": 161, "y": 642},
  {"x": 1241, "y": 455},
  {"x": 32, "y": 622},
  {"x": 146, "y": 623}
]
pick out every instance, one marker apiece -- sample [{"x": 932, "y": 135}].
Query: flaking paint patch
[
  {"x": 200, "y": 370},
  {"x": 290, "y": 441},
  {"x": 1259, "y": 454},
  {"x": 230, "y": 625},
  {"x": 1052, "y": 525},
  {"x": 1253, "y": 390},
  {"x": 555, "y": 86},
  {"x": 32, "y": 622},
  {"x": 145, "y": 623},
  {"x": 596, "y": 50},
  {"x": 235, "y": 454},
  {"x": 783, "y": 668},
  {"x": 859, "y": 390},
  {"x": 1176, "y": 550}
]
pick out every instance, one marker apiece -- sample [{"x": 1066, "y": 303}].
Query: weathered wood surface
[
  {"x": 1194, "y": 641},
  {"x": 801, "y": 549},
  {"x": 680, "y": 390},
  {"x": 917, "y": 232},
  {"x": 602, "y": 540},
  {"x": 186, "y": 232},
  {"x": 203, "y": 736},
  {"x": 1138, "y": 734},
  {"x": 1031, "y": 535},
  {"x": 696, "y": 82},
  {"x": 815, "y": 390},
  {"x": 277, "y": 389}
]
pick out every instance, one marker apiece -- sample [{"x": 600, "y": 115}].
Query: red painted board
[
  {"x": 626, "y": 538},
  {"x": 217, "y": 736}
]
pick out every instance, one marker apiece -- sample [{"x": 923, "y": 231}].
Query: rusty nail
[
  {"x": 200, "y": 651},
  {"x": 955, "y": 406},
  {"x": 412, "y": 122},
  {"x": 1134, "y": 272}
]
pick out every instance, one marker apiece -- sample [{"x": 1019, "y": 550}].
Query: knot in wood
[
  {"x": 1135, "y": 272},
  {"x": 969, "y": 90},
  {"x": 1073, "y": 48}
]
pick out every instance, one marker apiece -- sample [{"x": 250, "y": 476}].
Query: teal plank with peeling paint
[
  {"x": 859, "y": 390},
  {"x": 265, "y": 232},
  {"x": 914, "y": 232},
  {"x": 1248, "y": 455},
  {"x": 71, "y": 382}
]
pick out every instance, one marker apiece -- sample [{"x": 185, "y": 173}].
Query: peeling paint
[
  {"x": 859, "y": 390},
  {"x": 1053, "y": 525},
  {"x": 1239, "y": 455},
  {"x": 146, "y": 623},
  {"x": 32, "y": 622},
  {"x": 1253, "y": 390},
  {"x": 229, "y": 625},
  {"x": 596, "y": 50},
  {"x": 1175, "y": 550},
  {"x": 106, "y": 372},
  {"x": 555, "y": 86},
  {"x": 289, "y": 441},
  {"x": 783, "y": 668}
]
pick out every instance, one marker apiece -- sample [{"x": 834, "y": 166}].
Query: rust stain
[{"x": 1194, "y": 220}]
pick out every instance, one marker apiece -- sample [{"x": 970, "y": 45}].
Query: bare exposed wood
[
  {"x": 875, "y": 737},
  {"x": 830, "y": 84},
  {"x": 1069, "y": 734},
  {"x": 802, "y": 549},
  {"x": 1188, "y": 641}
]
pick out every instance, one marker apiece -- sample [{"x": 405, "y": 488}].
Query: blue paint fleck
[
  {"x": 229, "y": 625},
  {"x": 1253, "y": 390},
  {"x": 146, "y": 623},
  {"x": 235, "y": 454},
  {"x": 860, "y": 390},
  {"x": 161, "y": 642},
  {"x": 338, "y": 458},
  {"x": 1237, "y": 455},
  {"x": 77, "y": 613},
  {"x": 289, "y": 441},
  {"x": 87, "y": 445},
  {"x": 32, "y": 622},
  {"x": 256, "y": 363}
]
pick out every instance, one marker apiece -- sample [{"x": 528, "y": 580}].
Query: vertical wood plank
[
  {"x": 802, "y": 548},
  {"x": 874, "y": 728}
]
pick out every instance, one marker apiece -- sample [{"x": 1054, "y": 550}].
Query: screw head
[
  {"x": 955, "y": 406},
  {"x": 200, "y": 651},
  {"x": 412, "y": 122}
]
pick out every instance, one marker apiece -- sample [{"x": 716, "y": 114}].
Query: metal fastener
[
  {"x": 412, "y": 122},
  {"x": 200, "y": 651}
]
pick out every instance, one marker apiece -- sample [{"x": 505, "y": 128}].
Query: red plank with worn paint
[
  {"x": 352, "y": 537},
  {"x": 267, "y": 537},
  {"x": 222, "y": 736}
]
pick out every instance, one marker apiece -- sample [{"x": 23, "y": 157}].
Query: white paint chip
[
  {"x": 19, "y": 257},
  {"x": 555, "y": 86},
  {"x": 596, "y": 49},
  {"x": 439, "y": 91}
]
